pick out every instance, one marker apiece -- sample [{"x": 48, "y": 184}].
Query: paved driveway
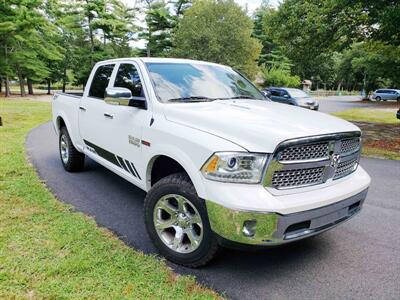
[
  {"x": 339, "y": 103},
  {"x": 357, "y": 260}
]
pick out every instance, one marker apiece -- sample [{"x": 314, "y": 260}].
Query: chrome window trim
[{"x": 334, "y": 140}]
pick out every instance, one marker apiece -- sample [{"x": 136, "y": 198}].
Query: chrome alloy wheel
[
  {"x": 178, "y": 223},
  {"x": 64, "y": 149}
]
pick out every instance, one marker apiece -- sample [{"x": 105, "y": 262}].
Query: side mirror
[
  {"x": 266, "y": 93},
  {"x": 123, "y": 96}
]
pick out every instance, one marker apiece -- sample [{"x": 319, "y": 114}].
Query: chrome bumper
[
  {"x": 309, "y": 106},
  {"x": 255, "y": 228}
]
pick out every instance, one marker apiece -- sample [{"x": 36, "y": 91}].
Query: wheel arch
[
  {"x": 62, "y": 121},
  {"x": 162, "y": 165}
]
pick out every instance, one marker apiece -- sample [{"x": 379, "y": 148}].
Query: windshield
[
  {"x": 296, "y": 93},
  {"x": 194, "y": 82}
]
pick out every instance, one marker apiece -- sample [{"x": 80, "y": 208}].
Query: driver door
[{"x": 125, "y": 128}]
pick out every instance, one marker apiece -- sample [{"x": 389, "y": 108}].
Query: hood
[{"x": 256, "y": 125}]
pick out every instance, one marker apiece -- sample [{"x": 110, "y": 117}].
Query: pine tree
[{"x": 26, "y": 35}]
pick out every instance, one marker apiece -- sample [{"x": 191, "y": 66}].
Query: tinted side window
[
  {"x": 378, "y": 91},
  {"x": 100, "y": 81},
  {"x": 275, "y": 93},
  {"x": 128, "y": 77}
]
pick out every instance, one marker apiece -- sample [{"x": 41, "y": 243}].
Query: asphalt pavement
[
  {"x": 339, "y": 103},
  {"x": 358, "y": 260}
]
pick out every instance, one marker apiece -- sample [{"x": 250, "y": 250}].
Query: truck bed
[
  {"x": 71, "y": 94},
  {"x": 66, "y": 109}
]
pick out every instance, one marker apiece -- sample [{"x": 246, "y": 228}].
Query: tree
[
  {"x": 313, "y": 34},
  {"x": 105, "y": 30},
  {"x": 369, "y": 66},
  {"x": 218, "y": 31},
  {"x": 277, "y": 70},
  {"x": 274, "y": 76},
  {"x": 261, "y": 14},
  {"x": 27, "y": 38},
  {"x": 158, "y": 32}
]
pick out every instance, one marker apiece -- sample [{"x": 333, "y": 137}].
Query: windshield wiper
[
  {"x": 237, "y": 97},
  {"x": 190, "y": 99}
]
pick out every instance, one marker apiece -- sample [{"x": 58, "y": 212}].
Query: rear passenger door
[
  {"x": 280, "y": 96},
  {"x": 392, "y": 95},
  {"x": 275, "y": 95},
  {"x": 93, "y": 123}
]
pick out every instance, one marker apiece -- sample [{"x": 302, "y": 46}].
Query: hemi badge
[{"x": 146, "y": 143}]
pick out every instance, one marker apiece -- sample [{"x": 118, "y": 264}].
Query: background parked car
[
  {"x": 291, "y": 96},
  {"x": 386, "y": 94}
]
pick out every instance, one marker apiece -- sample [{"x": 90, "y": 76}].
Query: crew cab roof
[{"x": 158, "y": 60}]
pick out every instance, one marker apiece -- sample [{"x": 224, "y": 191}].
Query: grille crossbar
[{"x": 315, "y": 160}]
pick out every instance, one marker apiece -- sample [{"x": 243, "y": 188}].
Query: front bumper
[
  {"x": 310, "y": 106},
  {"x": 260, "y": 228}
]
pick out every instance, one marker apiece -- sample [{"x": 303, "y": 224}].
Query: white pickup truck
[{"x": 221, "y": 164}]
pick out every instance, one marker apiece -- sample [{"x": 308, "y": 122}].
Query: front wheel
[
  {"x": 177, "y": 222},
  {"x": 378, "y": 98}
]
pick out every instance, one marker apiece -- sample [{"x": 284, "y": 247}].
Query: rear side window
[
  {"x": 128, "y": 77},
  {"x": 100, "y": 81},
  {"x": 283, "y": 93},
  {"x": 275, "y": 93}
]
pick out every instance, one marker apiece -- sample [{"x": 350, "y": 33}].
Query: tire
[
  {"x": 167, "y": 191},
  {"x": 398, "y": 99},
  {"x": 378, "y": 98},
  {"x": 71, "y": 159}
]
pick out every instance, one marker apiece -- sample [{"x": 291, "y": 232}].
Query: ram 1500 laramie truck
[{"x": 220, "y": 163}]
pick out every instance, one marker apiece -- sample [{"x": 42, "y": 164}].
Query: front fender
[{"x": 184, "y": 160}]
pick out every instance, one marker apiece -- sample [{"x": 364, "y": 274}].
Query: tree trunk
[
  {"x": 64, "y": 79},
  {"x": 1, "y": 84},
  {"x": 30, "y": 87},
  {"x": 7, "y": 87},
  {"x": 7, "y": 82},
  {"x": 339, "y": 87},
  {"x": 48, "y": 86},
  {"x": 91, "y": 41},
  {"x": 148, "y": 45},
  {"x": 21, "y": 84}
]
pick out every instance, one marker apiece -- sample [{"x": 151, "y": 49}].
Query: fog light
[{"x": 249, "y": 228}]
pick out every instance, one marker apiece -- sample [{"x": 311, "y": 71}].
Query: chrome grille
[
  {"x": 349, "y": 145},
  {"x": 303, "y": 152},
  {"x": 345, "y": 168},
  {"x": 299, "y": 177},
  {"x": 314, "y": 160}
]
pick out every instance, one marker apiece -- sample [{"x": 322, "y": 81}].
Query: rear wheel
[
  {"x": 398, "y": 99},
  {"x": 71, "y": 159},
  {"x": 177, "y": 222}
]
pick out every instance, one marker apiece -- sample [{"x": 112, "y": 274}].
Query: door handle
[
  {"x": 82, "y": 108},
  {"x": 107, "y": 115}
]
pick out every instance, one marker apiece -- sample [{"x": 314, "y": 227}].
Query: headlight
[{"x": 235, "y": 167}]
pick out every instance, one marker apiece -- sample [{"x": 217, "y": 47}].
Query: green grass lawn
[
  {"x": 369, "y": 115},
  {"x": 380, "y": 153},
  {"x": 376, "y": 116},
  {"x": 49, "y": 251}
]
